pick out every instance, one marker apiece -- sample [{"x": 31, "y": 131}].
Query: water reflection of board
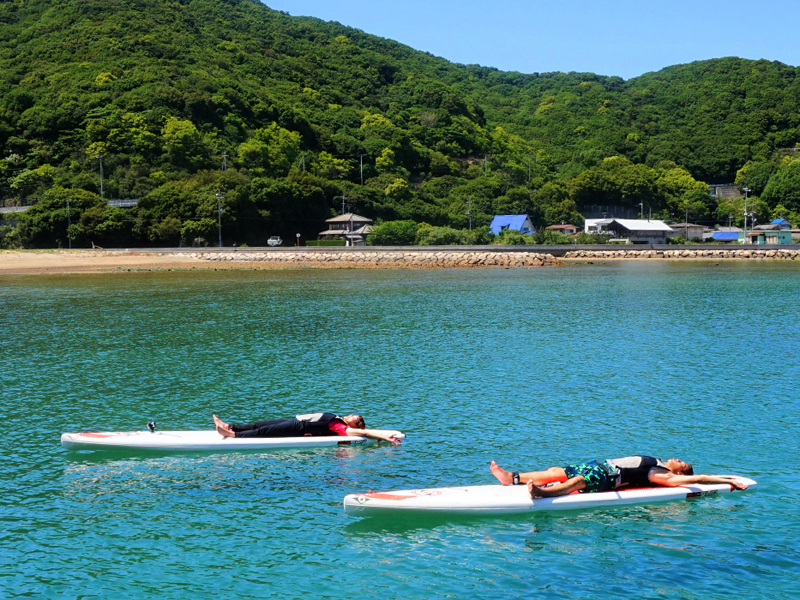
[
  {"x": 498, "y": 499},
  {"x": 190, "y": 441}
]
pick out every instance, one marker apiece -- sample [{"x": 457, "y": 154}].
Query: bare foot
[
  {"x": 534, "y": 490},
  {"x": 220, "y": 423},
  {"x": 226, "y": 433},
  {"x": 502, "y": 475}
]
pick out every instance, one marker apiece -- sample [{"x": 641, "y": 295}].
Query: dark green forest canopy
[{"x": 308, "y": 116}]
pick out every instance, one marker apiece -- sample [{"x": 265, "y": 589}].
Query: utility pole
[
  {"x": 641, "y": 204},
  {"x": 224, "y": 161},
  {"x": 744, "y": 234},
  {"x": 69, "y": 224},
  {"x": 529, "y": 168},
  {"x": 101, "y": 175},
  {"x": 469, "y": 212},
  {"x": 344, "y": 203},
  {"x": 361, "y": 159},
  {"x": 219, "y": 216}
]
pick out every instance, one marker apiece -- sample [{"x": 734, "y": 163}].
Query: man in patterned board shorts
[{"x": 602, "y": 476}]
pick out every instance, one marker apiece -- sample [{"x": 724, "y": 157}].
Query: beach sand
[{"x": 27, "y": 262}]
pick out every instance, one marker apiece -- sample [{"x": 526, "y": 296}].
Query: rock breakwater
[
  {"x": 740, "y": 253},
  {"x": 382, "y": 259}
]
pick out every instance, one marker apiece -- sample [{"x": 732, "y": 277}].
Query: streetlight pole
[
  {"x": 219, "y": 216},
  {"x": 361, "y": 159},
  {"x": 744, "y": 235}
]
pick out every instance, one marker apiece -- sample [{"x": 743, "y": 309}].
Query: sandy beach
[{"x": 26, "y": 262}]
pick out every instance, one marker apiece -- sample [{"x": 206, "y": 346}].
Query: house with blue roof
[
  {"x": 725, "y": 236},
  {"x": 782, "y": 224},
  {"x": 521, "y": 223}
]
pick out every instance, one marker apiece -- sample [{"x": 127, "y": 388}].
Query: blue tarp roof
[
  {"x": 725, "y": 235},
  {"x": 779, "y": 221},
  {"x": 513, "y": 222}
]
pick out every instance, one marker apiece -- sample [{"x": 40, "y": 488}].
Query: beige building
[{"x": 349, "y": 226}]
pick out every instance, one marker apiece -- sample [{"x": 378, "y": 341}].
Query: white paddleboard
[
  {"x": 514, "y": 499},
  {"x": 188, "y": 441}
]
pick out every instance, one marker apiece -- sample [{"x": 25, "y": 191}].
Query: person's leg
[
  {"x": 551, "y": 475},
  {"x": 589, "y": 477},
  {"x": 574, "y": 484},
  {"x": 237, "y": 427},
  {"x": 274, "y": 428}
]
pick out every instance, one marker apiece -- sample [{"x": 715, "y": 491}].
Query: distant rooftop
[{"x": 347, "y": 217}]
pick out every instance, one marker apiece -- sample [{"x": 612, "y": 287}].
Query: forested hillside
[{"x": 285, "y": 120}]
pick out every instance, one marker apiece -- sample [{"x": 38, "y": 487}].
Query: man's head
[
  {"x": 354, "y": 421},
  {"x": 679, "y": 467}
]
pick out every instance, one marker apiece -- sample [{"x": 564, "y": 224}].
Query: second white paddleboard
[{"x": 514, "y": 499}]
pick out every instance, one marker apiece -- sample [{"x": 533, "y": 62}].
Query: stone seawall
[
  {"x": 383, "y": 259},
  {"x": 751, "y": 254}
]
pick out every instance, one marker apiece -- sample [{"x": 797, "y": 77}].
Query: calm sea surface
[{"x": 530, "y": 367}]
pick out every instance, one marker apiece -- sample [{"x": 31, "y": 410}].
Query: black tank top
[
  {"x": 317, "y": 423},
  {"x": 634, "y": 471}
]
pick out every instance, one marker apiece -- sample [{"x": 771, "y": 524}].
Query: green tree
[
  {"x": 271, "y": 152},
  {"x": 183, "y": 144},
  {"x": 393, "y": 233},
  {"x": 784, "y": 187},
  {"x": 56, "y": 220}
]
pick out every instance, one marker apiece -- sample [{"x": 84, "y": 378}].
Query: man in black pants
[{"x": 315, "y": 424}]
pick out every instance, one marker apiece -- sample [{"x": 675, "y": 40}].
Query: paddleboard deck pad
[
  {"x": 193, "y": 441},
  {"x": 514, "y": 499}
]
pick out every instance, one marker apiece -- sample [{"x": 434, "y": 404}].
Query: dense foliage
[{"x": 209, "y": 111}]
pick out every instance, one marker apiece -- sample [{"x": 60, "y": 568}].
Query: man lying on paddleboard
[
  {"x": 613, "y": 474},
  {"x": 301, "y": 426}
]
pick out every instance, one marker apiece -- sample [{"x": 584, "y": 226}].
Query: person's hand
[
  {"x": 738, "y": 484},
  {"x": 393, "y": 440}
]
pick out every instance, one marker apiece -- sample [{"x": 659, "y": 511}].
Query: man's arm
[
  {"x": 372, "y": 434},
  {"x": 670, "y": 479}
]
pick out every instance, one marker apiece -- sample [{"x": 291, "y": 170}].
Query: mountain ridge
[{"x": 163, "y": 88}]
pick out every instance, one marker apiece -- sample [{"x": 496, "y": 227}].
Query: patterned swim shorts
[{"x": 593, "y": 472}]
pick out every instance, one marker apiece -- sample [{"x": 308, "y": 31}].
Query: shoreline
[{"x": 39, "y": 262}]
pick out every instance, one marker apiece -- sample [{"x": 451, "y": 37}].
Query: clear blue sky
[{"x": 614, "y": 37}]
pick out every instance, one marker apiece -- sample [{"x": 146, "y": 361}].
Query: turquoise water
[{"x": 530, "y": 367}]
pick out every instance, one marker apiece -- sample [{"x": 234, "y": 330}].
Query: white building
[{"x": 631, "y": 231}]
